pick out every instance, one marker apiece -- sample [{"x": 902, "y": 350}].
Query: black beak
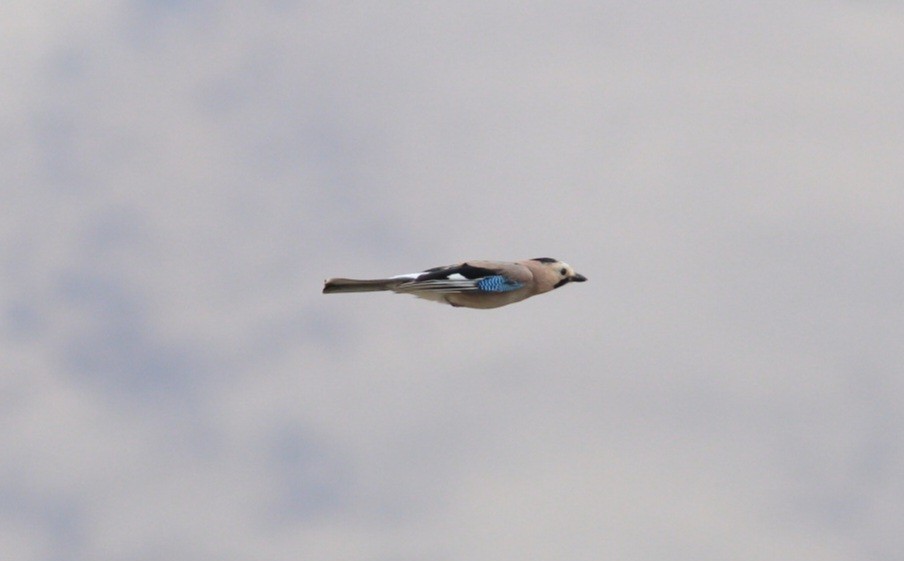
[{"x": 577, "y": 278}]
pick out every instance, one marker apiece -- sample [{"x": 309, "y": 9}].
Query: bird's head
[{"x": 562, "y": 272}]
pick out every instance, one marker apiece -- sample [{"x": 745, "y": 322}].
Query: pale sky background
[{"x": 179, "y": 177}]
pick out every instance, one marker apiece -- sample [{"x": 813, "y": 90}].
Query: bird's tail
[{"x": 337, "y": 286}]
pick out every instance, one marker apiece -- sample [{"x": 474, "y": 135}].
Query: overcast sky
[{"x": 179, "y": 177}]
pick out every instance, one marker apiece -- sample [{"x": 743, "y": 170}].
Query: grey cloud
[{"x": 181, "y": 176}]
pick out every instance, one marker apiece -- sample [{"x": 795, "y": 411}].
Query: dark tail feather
[{"x": 337, "y": 286}]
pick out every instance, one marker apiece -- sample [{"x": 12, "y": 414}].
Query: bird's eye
[{"x": 562, "y": 271}]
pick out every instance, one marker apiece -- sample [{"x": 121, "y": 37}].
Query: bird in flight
[{"x": 472, "y": 284}]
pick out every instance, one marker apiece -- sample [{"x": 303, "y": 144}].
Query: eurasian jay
[{"x": 473, "y": 284}]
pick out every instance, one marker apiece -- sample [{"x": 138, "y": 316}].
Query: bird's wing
[{"x": 472, "y": 276}]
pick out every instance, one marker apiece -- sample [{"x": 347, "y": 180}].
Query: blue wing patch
[{"x": 497, "y": 283}]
